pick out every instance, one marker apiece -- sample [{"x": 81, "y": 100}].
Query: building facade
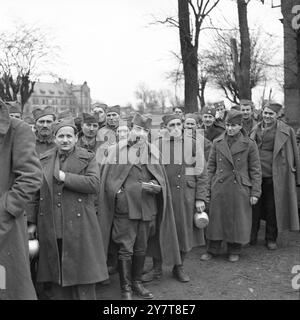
[{"x": 61, "y": 95}]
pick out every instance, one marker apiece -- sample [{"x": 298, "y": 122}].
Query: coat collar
[
  {"x": 76, "y": 162},
  {"x": 4, "y": 118},
  {"x": 238, "y": 146},
  {"x": 281, "y": 136}
]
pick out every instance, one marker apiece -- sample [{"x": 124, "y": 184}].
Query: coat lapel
[
  {"x": 240, "y": 145},
  {"x": 281, "y": 136},
  {"x": 76, "y": 161},
  {"x": 223, "y": 148},
  {"x": 48, "y": 163}
]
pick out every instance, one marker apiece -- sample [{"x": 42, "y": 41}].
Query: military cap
[
  {"x": 208, "y": 110},
  {"x": 66, "y": 122},
  {"x": 88, "y": 118},
  {"x": 246, "y": 102},
  {"x": 38, "y": 112},
  {"x": 192, "y": 116},
  {"x": 181, "y": 108},
  {"x": 274, "y": 106},
  {"x": 219, "y": 104},
  {"x": 236, "y": 107},
  {"x": 234, "y": 117},
  {"x": 116, "y": 109},
  {"x": 142, "y": 121},
  {"x": 169, "y": 117}
]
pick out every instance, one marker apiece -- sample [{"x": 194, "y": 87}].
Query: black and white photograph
[{"x": 149, "y": 151}]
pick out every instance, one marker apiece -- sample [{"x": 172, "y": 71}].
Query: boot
[
  {"x": 125, "y": 279},
  {"x": 155, "y": 273},
  {"x": 137, "y": 270},
  {"x": 178, "y": 271}
]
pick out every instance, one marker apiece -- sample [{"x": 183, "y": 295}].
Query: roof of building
[{"x": 58, "y": 89}]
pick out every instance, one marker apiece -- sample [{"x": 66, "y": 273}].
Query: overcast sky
[{"x": 112, "y": 45}]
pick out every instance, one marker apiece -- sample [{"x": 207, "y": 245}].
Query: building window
[
  {"x": 63, "y": 102},
  {"x": 35, "y": 100}
]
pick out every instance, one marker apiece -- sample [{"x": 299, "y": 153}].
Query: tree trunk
[
  {"x": 245, "y": 59},
  {"x": 189, "y": 58}
]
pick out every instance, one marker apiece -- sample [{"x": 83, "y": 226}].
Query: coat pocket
[
  {"x": 121, "y": 206},
  {"x": 246, "y": 182}
]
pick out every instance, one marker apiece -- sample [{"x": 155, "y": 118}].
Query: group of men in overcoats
[{"x": 116, "y": 190}]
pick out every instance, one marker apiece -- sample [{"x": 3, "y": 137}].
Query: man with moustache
[
  {"x": 44, "y": 120},
  {"x": 212, "y": 128},
  {"x": 134, "y": 197},
  {"x": 90, "y": 128},
  {"x": 71, "y": 255},
  {"x": 234, "y": 185},
  {"x": 280, "y": 166},
  {"x": 247, "y": 107}
]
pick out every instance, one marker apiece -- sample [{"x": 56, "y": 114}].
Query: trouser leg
[
  {"x": 256, "y": 216},
  {"x": 234, "y": 248},
  {"x": 214, "y": 246},
  {"x": 270, "y": 210},
  {"x": 124, "y": 234}
]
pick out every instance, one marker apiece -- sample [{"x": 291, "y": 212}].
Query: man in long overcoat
[
  {"x": 281, "y": 173},
  {"x": 235, "y": 184},
  {"x": 125, "y": 203},
  {"x": 71, "y": 256},
  {"x": 189, "y": 189},
  {"x": 21, "y": 177}
]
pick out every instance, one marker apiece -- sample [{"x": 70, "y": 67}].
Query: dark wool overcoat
[
  {"x": 286, "y": 174},
  {"x": 186, "y": 187},
  {"x": 164, "y": 244},
  {"x": 235, "y": 176},
  {"x": 20, "y": 178},
  {"x": 83, "y": 258}
]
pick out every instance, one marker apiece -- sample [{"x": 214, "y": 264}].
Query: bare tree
[
  {"x": 221, "y": 67},
  {"x": 24, "y": 53},
  {"x": 189, "y": 44}
]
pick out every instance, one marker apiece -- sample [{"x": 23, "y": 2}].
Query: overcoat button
[
  {"x": 41, "y": 199},
  {"x": 78, "y": 214},
  {"x": 79, "y": 200}
]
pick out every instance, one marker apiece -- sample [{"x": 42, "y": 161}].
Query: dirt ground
[{"x": 259, "y": 275}]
